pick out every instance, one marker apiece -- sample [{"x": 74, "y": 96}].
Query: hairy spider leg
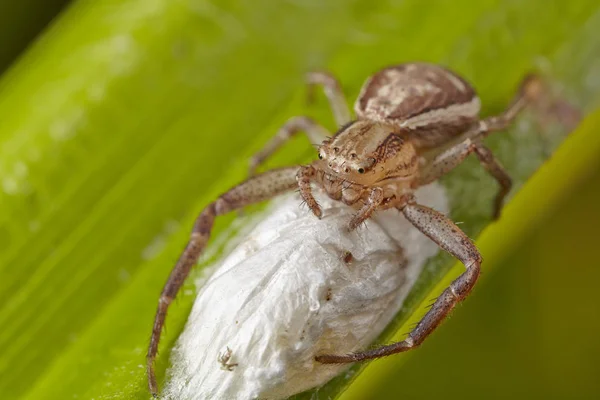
[
  {"x": 452, "y": 157},
  {"x": 305, "y": 174},
  {"x": 373, "y": 202},
  {"x": 449, "y": 237},
  {"x": 316, "y": 133},
  {"x": 253, "y": 190},
  {"x": 333, "y": 92}
]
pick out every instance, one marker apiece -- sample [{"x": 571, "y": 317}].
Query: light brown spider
[
  {"x": 224, "y": 359},
  {"x": 415, "y": 122}
]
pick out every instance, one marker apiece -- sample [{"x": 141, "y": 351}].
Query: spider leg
[
  {"x": 450, "y": 238},
  {"x": 528, "y": 92},
  {"x": 315, "y": 132},
  {"x": 334, "y": 93},
  {"x": 445, "y": 162},
  {"x": 494, "y": 168},
  {"x": 374, "y": 201},
  {"x": 304, "y": 177},
  {"x": 254, "y": 190},
  {"x": 452, "y": 157}
]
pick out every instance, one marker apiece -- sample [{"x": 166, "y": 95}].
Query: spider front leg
[
  {"x": 315, "y": 132},
  {"x": 450, "y": 238},
  {"x": 254, "y": 190}
]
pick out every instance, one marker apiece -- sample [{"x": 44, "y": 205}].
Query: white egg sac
[{"x": 296, "y": 287}]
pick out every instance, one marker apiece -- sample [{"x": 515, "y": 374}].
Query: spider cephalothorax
[
  {"x": 368, "y": 153},
  {"x": 363, "y": 156},
  {"x": 414, "y": 123}
]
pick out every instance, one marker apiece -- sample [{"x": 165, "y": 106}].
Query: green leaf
[
  {"x": 129, "y": 116},
  {"x": 19, "y": 25}
]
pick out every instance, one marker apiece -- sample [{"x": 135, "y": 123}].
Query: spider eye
[
  {"x": 361, "y": 170},
  {"x": 320, "y": 156}
]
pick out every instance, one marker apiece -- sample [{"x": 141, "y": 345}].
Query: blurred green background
[
  {"x": 20, "y": 22},
  {"x": 123, "y": 117}
]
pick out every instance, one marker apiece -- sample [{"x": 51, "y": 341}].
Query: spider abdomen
[{"x": 427, "y": 102}]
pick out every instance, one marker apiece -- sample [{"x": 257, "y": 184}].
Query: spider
[{"x": 414, "y": 123}]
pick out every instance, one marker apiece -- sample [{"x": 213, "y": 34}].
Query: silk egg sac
[{"x": 293, "y": 288}]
